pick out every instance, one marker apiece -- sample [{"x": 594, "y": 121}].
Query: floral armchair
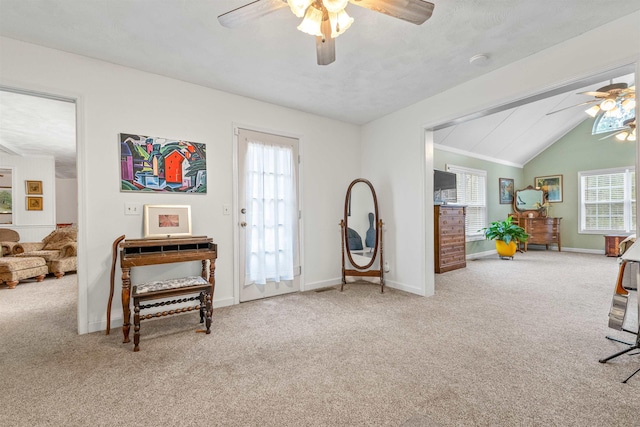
[
  {"x": 59, "y": 249},
  {"x": 8, "y": 239}
]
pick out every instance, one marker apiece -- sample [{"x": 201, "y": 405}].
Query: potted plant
[{"x": 506, "y": 234}]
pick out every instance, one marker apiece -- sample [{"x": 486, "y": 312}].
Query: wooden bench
[{"x": 163, "y": 289}]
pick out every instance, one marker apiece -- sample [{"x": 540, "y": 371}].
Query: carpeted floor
[{"x": 502, "y": 343}]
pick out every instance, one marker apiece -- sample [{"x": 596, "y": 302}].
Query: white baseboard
[
  {"x": 322, "y": 284},
  {"x": 404, "y": 287},
  {"x": 584, "y": 251},
  {"x": 481, "y": 254},
  {"x": 224, "y": 302},
  {"x": 387, "y": 283}
]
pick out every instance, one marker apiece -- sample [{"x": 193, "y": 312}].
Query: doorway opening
[
  {"x": 38, "y": 143},
  {"x": 505, "y": 141}
]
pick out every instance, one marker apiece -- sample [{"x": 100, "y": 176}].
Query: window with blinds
[
  {"x": 472, "y": 193},
  {"x": 608, "y": 200}
]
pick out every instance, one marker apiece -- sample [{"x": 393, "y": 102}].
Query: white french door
[{"x": 268, "y": 233}]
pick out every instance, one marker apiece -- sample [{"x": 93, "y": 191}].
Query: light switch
[{"x": 132, "y": 209}]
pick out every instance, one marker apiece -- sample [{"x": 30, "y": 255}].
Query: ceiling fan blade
[
  {"x": 414, "y": 11},
  {"x": 256, "y": 9},
  {"x": 598, "y": 94},
  {"x": 610, "y": 135},
  {"x": 325, "y": 45},
  {"x": 573, "y": 106}
]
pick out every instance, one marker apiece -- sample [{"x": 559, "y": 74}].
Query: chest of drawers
[
  {"x": 449, "y": 238},
  {"x": 541, "y": 231}
]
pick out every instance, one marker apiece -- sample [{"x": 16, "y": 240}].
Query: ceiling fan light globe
[
  {"x": 629, "y": 103},
  {"x": 608, "y": 104},
  {"x": 311, "y": 24},
  {"x": 632, "y": 136},
  {"x": 299, "y": 7},
  {"x": 340, "y": 22},
  {"x": 593, "y": 111},
  {"x": 622, "y": 136},
  {"x": 335, "y": 6}
]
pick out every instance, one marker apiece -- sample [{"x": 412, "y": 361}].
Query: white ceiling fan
[
  {"x": 607, "y": 98},
  {"x": 327, "y": 19}
]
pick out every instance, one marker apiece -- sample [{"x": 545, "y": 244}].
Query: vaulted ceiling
[
  {"x": 383, "y": 64},
  {"x": 516, "y": 135}
]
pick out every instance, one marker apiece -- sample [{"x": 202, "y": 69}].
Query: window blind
[
  {"x": 608, "y": 200},
  {"x": 472, "y": 192}
]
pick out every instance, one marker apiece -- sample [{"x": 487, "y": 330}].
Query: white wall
[
  {"x": 32, "y": 225},
  {"x": 66, "y": 201},
  {"x": 399, "y": 162},
  {"x": 114, "y": 99}
]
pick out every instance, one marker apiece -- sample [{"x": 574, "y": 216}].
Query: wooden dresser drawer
[
  {"x": 543, "y": 238},
  {"x": 451, "y": 211}
]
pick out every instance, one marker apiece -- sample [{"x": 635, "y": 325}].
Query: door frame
[
  {"x": 236, "y": 205},
  {"x": 82, "y": 312}
]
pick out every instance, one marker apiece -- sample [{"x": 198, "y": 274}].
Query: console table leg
[
  {"x": 126, "y": 295},
  {"x": 208, "y": 298},
  {"x": 202, "y": 304},
  {"x": 136, "y": 326}
]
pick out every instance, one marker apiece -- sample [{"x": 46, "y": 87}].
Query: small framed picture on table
[{"x": 165, "y": 221}]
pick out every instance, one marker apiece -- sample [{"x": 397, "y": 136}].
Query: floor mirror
[{"x": 361, "y": 234}]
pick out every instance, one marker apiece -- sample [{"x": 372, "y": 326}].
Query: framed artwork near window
[
  {"x": 164, "y": 221},
  {"x": 34, "y": 203},
  {"x": 551, "y": 185},
  {"x": 506, "y": 190},
  {"x": 34, "y": 187}
]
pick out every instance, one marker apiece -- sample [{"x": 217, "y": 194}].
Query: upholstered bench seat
[
  {"x": 14, "y": 269},
  {"x": 161, "y": 289},
  {"x": 162, "y": 285}
]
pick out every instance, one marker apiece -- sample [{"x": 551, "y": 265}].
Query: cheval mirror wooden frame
[{"x": 351, "y": 211}]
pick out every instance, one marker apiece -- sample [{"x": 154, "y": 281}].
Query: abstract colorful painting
[{"x": 162, "y": 165}]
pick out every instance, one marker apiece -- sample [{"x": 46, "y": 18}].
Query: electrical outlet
[
  {"x": 132, "y": 209},
  {"x": 226, "y": 209}
]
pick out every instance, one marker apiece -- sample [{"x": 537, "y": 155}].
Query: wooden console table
[{"x": 141, "y": 252}]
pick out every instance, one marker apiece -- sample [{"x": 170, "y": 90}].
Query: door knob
[
  {"x": 243, "y": 224},
  {"x": 243, "y": 210}
]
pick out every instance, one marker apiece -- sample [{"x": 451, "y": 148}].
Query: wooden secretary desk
[{"x": 530, "y": 215}]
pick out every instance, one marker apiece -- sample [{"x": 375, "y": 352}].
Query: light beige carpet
[{"x": 502, "y": 343}]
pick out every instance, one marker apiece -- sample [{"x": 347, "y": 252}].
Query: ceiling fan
[
  {"x": 626, "y": 134},
  {"x": 327, "y": 19},
  {"x": 607, "y": 99}
]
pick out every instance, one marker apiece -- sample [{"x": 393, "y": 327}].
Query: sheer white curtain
[{"x": 271, "y": 213}]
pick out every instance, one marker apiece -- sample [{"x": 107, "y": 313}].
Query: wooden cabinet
[
  {"x": 450, "y": 250},
  {"x": 612, "y": 244},
  {"x": 541, "y": 231}
]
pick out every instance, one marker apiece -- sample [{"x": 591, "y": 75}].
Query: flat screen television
[{"x": 444, "y": 187}]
